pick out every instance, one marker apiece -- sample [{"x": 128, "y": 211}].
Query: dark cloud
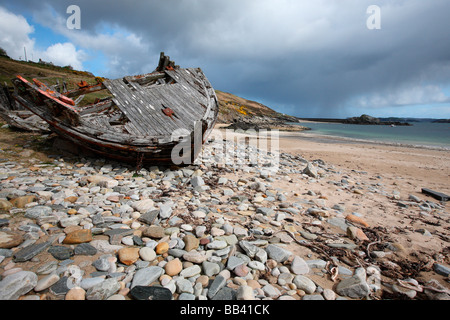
[{"x": 306, "y": 58}]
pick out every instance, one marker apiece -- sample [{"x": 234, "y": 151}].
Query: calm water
[{"x": 420, "y": 134}]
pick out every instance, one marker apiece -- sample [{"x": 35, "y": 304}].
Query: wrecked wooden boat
[
  {"x": 163, "y": 117},
  {"x": 17, "y": 116}
]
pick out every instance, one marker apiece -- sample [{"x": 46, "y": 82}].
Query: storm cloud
[{"x": 305, "y": 58}]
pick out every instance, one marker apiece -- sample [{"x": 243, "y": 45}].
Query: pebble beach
[{"x": 307, "y": 228}]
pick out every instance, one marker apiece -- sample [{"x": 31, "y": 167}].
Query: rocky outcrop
[{"x": 369, "y": 120}]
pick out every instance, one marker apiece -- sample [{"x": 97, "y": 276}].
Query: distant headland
[{"x": 364, "y": 120}]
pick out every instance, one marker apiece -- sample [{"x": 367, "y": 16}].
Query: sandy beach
[{"x": 394, "y": 172}]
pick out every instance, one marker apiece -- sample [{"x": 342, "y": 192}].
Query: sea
[{"x": 420, "y": 134}]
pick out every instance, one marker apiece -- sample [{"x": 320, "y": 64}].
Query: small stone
[
  {"x": 241, "y": 270},
  {"x": 313, "y": 297},
  {"x": 21, "y": 202},
  {"x": 329, "y": 294},
  {"x": 5, "y": 205},
  {"x": 217, "y": 245},
  {"x": 356, "y": 233},
  {"x": 184, "y": 286},
  {"x": 354, "y": 287},
  {"x": 250, "y": 249},
  {"x": 150, "y": 293},
  {"x": 194, "y": 256},
  {"x": 197, "y": 182},
  {"x": 60, "y": 287},
  {"x": 72, "y": 211},
  {"x": 76, "y": 294},
  {"x": 210, "y": 269},
  {"x": 191, "y": 271},
  {"x": 61, "y": 252},
  {"x": 165, "y": 211},
  {"x": 46, "y": 282},
  {"x": 191, "y": 242},
  {"x": 186, "y": 296},
  {"x": 71, "y": 199},
  {"x": 203, "y": 280},
  {"x": 277, "y": 253},
  {"x": 256, "y": 265},
  {"x": 17, "y": 284},
  {"x": 200, "y": 231},
  {"x": 218, "y": 283},
  {"x": 155, "y": 232},
  {"x": 225, "y": 294},
  {"x": 149, "y": 217},
  {"x": 271, "y": 291},
  {"x": 245, "y": 292},
  {"x": 128, "y": 256},
  {"x": 47, "y": 268},
  {"x": 104, "y": 246},
  {"x": 143, "y": 205},
  {"x": 162, "y": 248},
  {"x": 87, "y": 283},
  {"x": 441, "y": 269},
  {"x": 146, "y": 276},
  {"x": 305, "y": 284},
  {"x": 253, "y": 284},
  {"x": 10, "y": 240},
  {"x": 31, "y": 251},
  {"x": 357, "y": 220},
  {"x": 102, "y": 264},
  {"x": 199, "y": 214},
  {"x": 299, "y": 266},
  {"x": 233, "y": 262},
  {"x": 103, "y": 290},
  {"x": 310, "y": 170},
  {"x": 37, "y": 212},
  {"x": 147, "y": 254},
  {"x": 79, "y": 236},
  {"x": 173, "y": 267}
]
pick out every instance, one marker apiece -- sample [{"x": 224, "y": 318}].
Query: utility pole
[{"x": 25, "y": 51}]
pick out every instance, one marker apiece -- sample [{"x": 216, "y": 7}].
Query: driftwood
[{"x": 437, "y": 195}]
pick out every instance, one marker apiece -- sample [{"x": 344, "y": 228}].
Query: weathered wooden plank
[
  {"x": 145, "y": 78},
  {"x": 189, "y": 96},
  {"x": 95, "y": 108},
  {"x": 192, "y": 101},
  {"x": 437, "y": 195},
  {"x": 170, "y": 97},
  {"x": 86, "y": 90},
  {"x": 141, "y": 110},
  {"x": 185, "y": 110},
  {"x": 151, "y": 108},
  {"x": 157, "y": 115}
]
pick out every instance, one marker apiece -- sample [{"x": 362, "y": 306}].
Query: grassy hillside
[
  {"x": 49, "y": 74},
  {"x": 234, "y": 107}
]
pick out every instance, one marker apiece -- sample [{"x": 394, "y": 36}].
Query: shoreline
[
  {"x": 419, "y": 165},
  {"x": 310, "y": 135}
]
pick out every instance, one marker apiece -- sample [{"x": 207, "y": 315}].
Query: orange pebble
[
  {"x": 357, "y": 220},
  {"x": 162, "y": 248}
]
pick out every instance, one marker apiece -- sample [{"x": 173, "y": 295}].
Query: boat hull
[{"x": 159, "y": 118}]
